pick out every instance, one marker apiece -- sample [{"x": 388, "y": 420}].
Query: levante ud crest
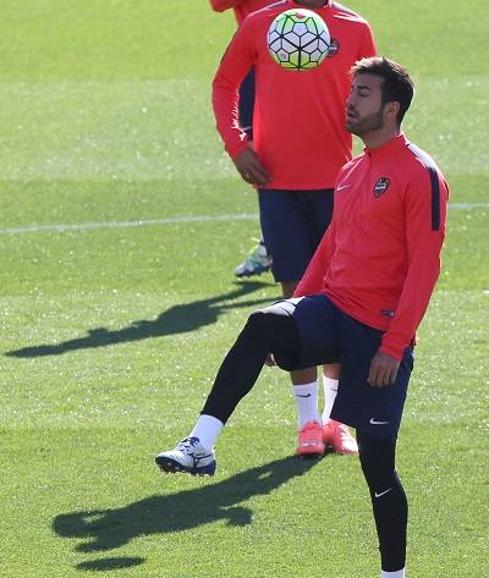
[
  {"x": 334, "y": 47},
  {"x": 381, "y": 187}
]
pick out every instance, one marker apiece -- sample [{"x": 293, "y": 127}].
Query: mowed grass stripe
[{"x": 149, "y": 129}]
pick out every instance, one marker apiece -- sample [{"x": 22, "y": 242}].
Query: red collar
[
  {"x": 396, "y": 143},
  {"x": 327, "y": 3}
]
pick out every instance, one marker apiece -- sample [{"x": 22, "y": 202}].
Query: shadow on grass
[
  {"x": 178, "y": 319},
  {"x": 108, "y": 529},
  {"x": 110, "y": 564}
]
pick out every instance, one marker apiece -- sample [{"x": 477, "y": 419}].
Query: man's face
[{"x": 364, "y": 109}]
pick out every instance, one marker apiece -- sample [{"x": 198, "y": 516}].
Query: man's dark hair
[{"x": 398, "y": 86}]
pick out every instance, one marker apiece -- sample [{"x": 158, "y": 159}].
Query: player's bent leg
[
  {"x": 265, "y": 331},
  {"x": 389, "y": 502}
]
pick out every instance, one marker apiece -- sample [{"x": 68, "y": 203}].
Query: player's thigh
[
  {"x": 286, "y": 231},
  {"x": 315, "y": 320}
]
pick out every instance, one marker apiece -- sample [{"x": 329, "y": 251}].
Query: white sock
[
  {"x": 397, "y": 574},
  {"x": 306, "y": 399},
  {"x": 207, "y": 429},
  {"x": 330, "y": 387}
]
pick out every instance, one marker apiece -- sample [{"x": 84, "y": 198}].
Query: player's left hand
[{"x": 383, "y": 370}]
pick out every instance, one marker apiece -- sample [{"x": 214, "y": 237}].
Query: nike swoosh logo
[
  {"x": 373, "y": 421},
  {"x": 380, "y": 494},
  {"x": 306, "y": 395},
  {"x": 342, "y": 187}
]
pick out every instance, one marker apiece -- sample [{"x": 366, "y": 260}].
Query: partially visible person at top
[
  {"x": 299, "y": 144},
  {"x": 241, "y": 8},
  {"x": 258, "y": 260},
  {"x": 360, "y": 301}
]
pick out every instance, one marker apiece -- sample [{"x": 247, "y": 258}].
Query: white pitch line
[
  {"x": 468, "y": 206},
  {"x": 126, "y": 224},
  {"x": 168, "y": 221}
]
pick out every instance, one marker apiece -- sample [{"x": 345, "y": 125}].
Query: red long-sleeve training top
[
  {"x": 299, "y": 117},
  {"x": 380, "y": 258},
  {"x": 241, "y": 7}
]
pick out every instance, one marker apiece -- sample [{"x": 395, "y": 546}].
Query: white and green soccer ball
[{"x": 298, "y": 39}]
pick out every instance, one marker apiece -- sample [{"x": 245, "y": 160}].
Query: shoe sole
[
  {"x": 309, "y": 454},
  {"x": 251, "y": 273},
  {"x": 330, "y": 449},
  {"x": 344, "y": 452},
  {"x": 168, "y": 466}
]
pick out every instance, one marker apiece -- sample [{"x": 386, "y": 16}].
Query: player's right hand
[
  {"x": 250, "y": 167},
  {"x": 383, "y": 370}
]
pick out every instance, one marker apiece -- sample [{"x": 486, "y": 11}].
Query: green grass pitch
[{"x": 111, "y": 333}]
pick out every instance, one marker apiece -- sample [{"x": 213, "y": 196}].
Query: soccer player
[
  {"x": 360, "y": 301},
  {"x": 258, "y": 261},
  {"x": 299, "y": 144}
]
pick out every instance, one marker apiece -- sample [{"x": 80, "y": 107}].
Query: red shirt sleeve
[
  {"x": 222, "y": 5},
  {"x": 312, "y": 280},
  {"x": 425, "y": 209},
  {"x": 235, "y": 64},
  {"x": 367, "y": 47}
]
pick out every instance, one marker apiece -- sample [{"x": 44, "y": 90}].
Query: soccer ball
[{"x": 298, "y": 39}]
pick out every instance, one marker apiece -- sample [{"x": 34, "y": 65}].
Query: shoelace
[
  {"x": 188, "y": 443},
  {"x": 310, "y": 431}
]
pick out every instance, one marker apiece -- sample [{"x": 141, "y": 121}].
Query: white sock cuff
[
  {"x": 305, "y": 388},
  {"x": 330, "y": 388},
  {"x": 397, "y": 574},
  {"x": 330, "y": 383},
  {"x": 207, "y": 429},
  {"x": 306, "y": 400}
]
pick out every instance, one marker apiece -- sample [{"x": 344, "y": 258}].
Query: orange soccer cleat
[
  {"x": 338, "y": 437},
  {"x": 310, "y": 443}
]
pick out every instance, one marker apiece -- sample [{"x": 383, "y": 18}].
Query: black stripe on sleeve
[
  {"x": 430, "y": 166},
  {"x": 435, "y": 199}
]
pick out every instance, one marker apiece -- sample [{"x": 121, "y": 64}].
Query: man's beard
[{"x": 361, "y": 126}]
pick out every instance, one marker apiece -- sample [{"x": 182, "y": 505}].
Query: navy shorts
[
  {"x": 327, "y": 335},
  {"x": 247, "y": 103},
  {"x": 293, "y": 223}
]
